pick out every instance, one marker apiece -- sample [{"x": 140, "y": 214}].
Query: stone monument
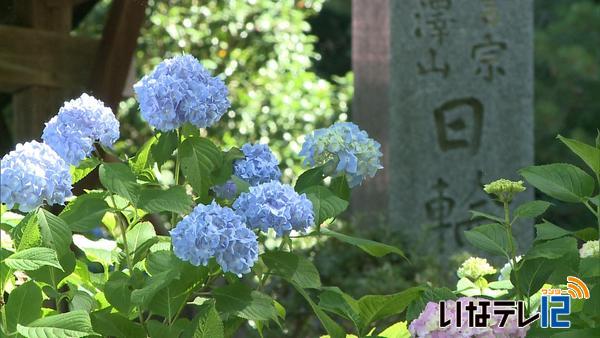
[{"x": 457, "y": 111}]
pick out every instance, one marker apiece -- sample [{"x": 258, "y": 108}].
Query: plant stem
[
  {"x": 176, "y": 174},
  {"x": 512, "y": 248}
]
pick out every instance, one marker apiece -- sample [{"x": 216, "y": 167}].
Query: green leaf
[
  {"x": 55, "y": 232},
  {"x": 590, "y": 155},
  {"x": 339, "y": 186},
  {"x": 143, "y": 159},
  {"x": 164, "y": 147},
  {"x": 293, "y": 268},
  {"x": 532, "y": 275},
  {"x": 478, "y": 214},
  {"x": 311, "y": 177},
  {"x": 159, "y": 330},
  {"x": 27, "y": 233},
  {"x": 81, "y": 300},
  {"x": 85, "y": 212},
  {"x": 54, "y": 276},
  {"x": 376, "y": 307},
  {"x": 589, "y": 267},
  {"x": 334, "y": 300},
  {"x": 491, "y": 238},
  {"x": 429, "y": 295},
  {"x": 65, "y": 325},
  {"x": 139, "y": 239},
  {"x": 532, "y": 209},
  {"x": 587, "y": 234},
  {"x": 85, "y": 167},
  {"x": 333, "y": 329},
  {"x": 200, "y": 158},
  {"x": 240, "y": 300},
  {"x": 553, "y": 248},
  {"x": 117, "y": 291},
  {"x": 24, "y": 305},
  {"x": 325, "y": 203},
  {"x": 119, "y": 179},
  {"x": 398, "y": 330},
  {"x": 565, "y": 182},
  {"x": 160, "y": 261},
  {"x": 32, "y": 259},
  {"x": 152, "y": 286},
  {"x": 173, "y": 199},
  {"x": 226, "y": 170},
  {"x": 547, "y": 230},
  {"x": 371, "y": 247},
  {"x": 115, "y": 325},
  {"x": 207, "y": 323}
]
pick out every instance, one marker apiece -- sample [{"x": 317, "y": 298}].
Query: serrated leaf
[
  {"x": 117, "y": 291},
  {"x": 54, "y": 276},
  {"x": 491, "y": 238},
  {"x": 376, "y": 307},
  {"x": 293, "y": 268},
  {"x": 532, "y": 275},
  {"x": 139, "y": 239},
  {"x": 339, "y": 186},
  {"x": 478, "y": 214},
  {"x": 24, "y": 305},
  {"x": 27, "y": 233},
  {"x": 334, "y": 300},
  {"x": 532, "y": 209},
  {"x": 565, "y": 182},
  {"x": 207, "y": 323},
  {"x": 333, "y": 329},
  {"x": 173, "y": 199},
  {"x": 115, "y": 325},
  {"x": 552, "y": 249},
  {"x": 240, "y": 300},
  {"x": 590, "y": 155},
  {"x": 119, "y": 179},
  {"x": 143, "y": 159},
  {"x": 55, "y": 232},
  {"x": 547, "y": 230},
  {"x": 66, "y": 325},
  {"x": 164, "y": 147},
  {"x": 85, "y": 212},
  {"x": 311, "y": 177},
  {"x": 371, "y": 247},
  {"x": 398, "y": 330},
  {"x": 200, "y": 158},
  {"x": 32, "y": 259},
  {"x": 154, "y": 284},
  {"x": 325, "y": 203},
  {"x": 226, "y": 169},
  {"x": 85, "y": 167}
]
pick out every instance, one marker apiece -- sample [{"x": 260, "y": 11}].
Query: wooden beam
[
  {"x": 41, "y": 58},
  {"x": 117, "y": 48}
]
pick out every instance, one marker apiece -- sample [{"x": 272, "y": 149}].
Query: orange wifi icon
[{"x": 577, "y": 288}]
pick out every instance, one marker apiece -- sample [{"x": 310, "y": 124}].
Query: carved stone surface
[{"x": 460, "y": 113}]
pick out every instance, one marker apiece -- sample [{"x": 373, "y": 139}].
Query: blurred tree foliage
[
  {"x": 265, "y": 52},
  {"x": 567, "y": 84}
]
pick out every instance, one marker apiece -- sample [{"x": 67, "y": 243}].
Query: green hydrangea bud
[
  {"x": 474, "y": 268},
  {"x": 504, "y": 189}
]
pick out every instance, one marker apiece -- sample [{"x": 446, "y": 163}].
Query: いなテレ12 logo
[{"x": 556, "y": 303}]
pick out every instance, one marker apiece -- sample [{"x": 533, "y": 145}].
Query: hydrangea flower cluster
[
  {"x": 31, "y": 174},
  {"x": 227, "y": 190},
  {"x": 344, "y": 149},
  {"x": 259, "y": 166},
  {"x": 427, "y": 324},
  {"x": 275, "y": 205},
  {"x": 590, "y": 249},
  {"x": 475, "y": 267},
  {"x": 180, "y": 90},
  {"x": 504, "y": 189},
  {"x": 215, "y": 231},
  {"x": 78, "y": 124}
]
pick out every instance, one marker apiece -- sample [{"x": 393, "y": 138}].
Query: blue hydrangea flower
[
  {"x": 227, "y": 190},
  {"x": 259, "y": 166},
  {"x": 180, "y": 90},
  {"x": 78, "y": 124},
  {"x": 275, "y": 205},
  {"x": 344, "y": 149},
  {"x": 215, "y": 231},
  {"x": 31, "y": 174}
]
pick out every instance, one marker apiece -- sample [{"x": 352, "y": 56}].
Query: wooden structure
[{"x": 42, "y": 64}]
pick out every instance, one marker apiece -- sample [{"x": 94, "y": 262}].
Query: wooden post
[
  {"x": 35, "y": 104},
  {"x": 370, "y": 105}
]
